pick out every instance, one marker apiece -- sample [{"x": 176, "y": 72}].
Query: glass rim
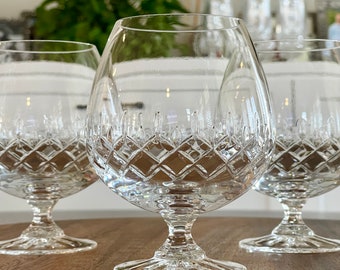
[
  {"x": 236, "y": 21},
  {"x": 333, "y": 45},
  {"x": 85, "y": 46}
]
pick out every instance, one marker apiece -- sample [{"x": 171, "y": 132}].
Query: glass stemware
[
  {"x": 304, "y": 81},
  {"x": 179, "y": 125},
  {"x": 258, "y": 18},
  {"x": 44, "y": 90},
  {"x": 291, "y": 19}
]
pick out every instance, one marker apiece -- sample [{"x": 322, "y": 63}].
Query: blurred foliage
[
  {"x": 92, "y": 20},
  {"x": 155, "y": 44},
  {"x": 331, "y": 15}
]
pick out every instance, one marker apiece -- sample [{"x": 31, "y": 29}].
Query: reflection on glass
[
  {"x": 291, "y": 19},
  {"x": 259, "y": 20},
  {"x": 304, "y": 81},
  {"x": 203, "y": 135},
  {"x": 44, "y": 89}
]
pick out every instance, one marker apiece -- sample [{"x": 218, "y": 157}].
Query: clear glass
[
  {"x": 221, "y": 7},
  {"x": 291, "y": 19},
  {"x": 178, "y": 125},
  {"x": 304, "y": 82},
  {"x": 44, "y": 91},
  {"x": 258, "y": 17}
]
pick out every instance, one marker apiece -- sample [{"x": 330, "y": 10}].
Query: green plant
[{"x": 92, "y": 20}]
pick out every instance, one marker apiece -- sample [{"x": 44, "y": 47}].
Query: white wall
[{"x": 11, "y": 9}]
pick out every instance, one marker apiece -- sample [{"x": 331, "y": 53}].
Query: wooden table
[{"x": 124, "y": 239}]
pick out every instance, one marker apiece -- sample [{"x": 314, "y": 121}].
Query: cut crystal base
[
  {"x": 290, "y": 244},
  {"x": 41, "y": 246},
  {"x": 159, "y": 264}
]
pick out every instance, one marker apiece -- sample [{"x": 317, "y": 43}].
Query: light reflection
[
  {"x": 286, "y": 102},
  {"x": 188, "y": 114},
  {"x": 114, "y": 72}
]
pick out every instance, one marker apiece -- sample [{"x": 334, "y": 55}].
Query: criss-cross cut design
[{"x": 47, "y": 156}]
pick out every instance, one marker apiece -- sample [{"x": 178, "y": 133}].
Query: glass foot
[
  {"x": 290, "y": 244},
  {"x": 159, "y": 264},
  {"x": 40, "y": 246}
]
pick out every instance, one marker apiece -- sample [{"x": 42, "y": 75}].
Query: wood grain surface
[{"x": 125, "y": 239}]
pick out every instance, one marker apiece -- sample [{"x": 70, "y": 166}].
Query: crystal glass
[
  {"x": 258, "y": 17},
  {"x": 291, "y": 19},
  {"x": 304, "y": 82},
  {"x": 221, "y": 7},
  {"x": 44, "y": 90},
  {"x": 179, "y": 126}
]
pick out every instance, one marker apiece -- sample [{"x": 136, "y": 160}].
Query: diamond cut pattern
[
  {"x": 306, "y": 157},
  {"x": 46, "y": 156},
  {"x": 193, "y": 160}
]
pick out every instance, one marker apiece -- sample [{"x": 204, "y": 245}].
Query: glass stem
[
  {"x": 292, "y": 223},
  {"x": 42, "y": 225},
  {"x": 180, "y": 243}
]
